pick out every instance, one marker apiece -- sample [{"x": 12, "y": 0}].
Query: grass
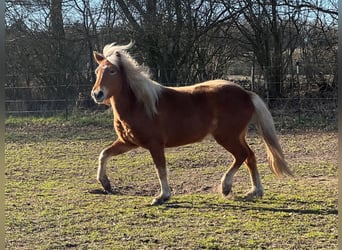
[{"x": 50, "y": 175}]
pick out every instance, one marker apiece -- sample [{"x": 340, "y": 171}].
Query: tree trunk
[
  {"x": 58, "y": 45},
  {"x": 276, "y": 74}
]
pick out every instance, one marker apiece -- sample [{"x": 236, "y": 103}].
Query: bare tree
[
  {"x": 50, "y": 42},
  {"x": 173, "y": 35},
  {"x": 58, "y": 56},
  {"x": 263, "y": 24}
]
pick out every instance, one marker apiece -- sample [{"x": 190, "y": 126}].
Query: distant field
[{"x": 50, "y": 201}]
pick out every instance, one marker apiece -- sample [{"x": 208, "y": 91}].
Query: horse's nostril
[{"x": 99, "y": 95}]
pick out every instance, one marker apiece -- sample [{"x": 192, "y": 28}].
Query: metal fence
[{"x": 300, "y": 111}]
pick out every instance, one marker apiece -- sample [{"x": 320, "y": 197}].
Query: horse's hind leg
[
  {"x": 239, "y": 152},
  {"x": 257, "y": 189}
]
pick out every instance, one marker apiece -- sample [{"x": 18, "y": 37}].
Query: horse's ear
[{"x": 98, "y": 57}]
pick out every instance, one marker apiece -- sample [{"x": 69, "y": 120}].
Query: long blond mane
[{"x": 145, "y": 90}]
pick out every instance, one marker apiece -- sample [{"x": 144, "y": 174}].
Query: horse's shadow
[
  {"x": 241, "y": 204},
  {"x": 102, "y": 191},
  {"x": 248, "y": 205}
]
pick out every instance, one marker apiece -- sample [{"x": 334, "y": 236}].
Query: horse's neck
[{"x": 123, "y": 105}]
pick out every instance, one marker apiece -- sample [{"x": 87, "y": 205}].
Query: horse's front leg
[
  {"x": 159, "y": 160},
  {"x": 118, "y": 147}
]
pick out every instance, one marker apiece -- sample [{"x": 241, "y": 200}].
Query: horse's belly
[
  {"x": 187, "y": 118},
  {"x": 184, "y": 140},
  {"x": 187, "y": 132}
]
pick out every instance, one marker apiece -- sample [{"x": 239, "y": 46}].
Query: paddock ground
[{"x": 52, "y": 200}]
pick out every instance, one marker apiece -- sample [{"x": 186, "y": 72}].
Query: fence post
[
  {"x": 299, "y": 99},
  {"x": 66, "y": 103}
]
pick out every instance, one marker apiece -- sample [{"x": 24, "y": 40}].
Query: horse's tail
[{"x": 265, "y": 125}]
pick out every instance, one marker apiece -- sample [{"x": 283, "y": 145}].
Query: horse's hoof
[
  {"x": 254, "y": 194},
  {"x": 225, "y": 190},
  {"x": 106, "y": 185},
  {"x": 159, "y": 201},
  {"x": 109, "y": 191}
]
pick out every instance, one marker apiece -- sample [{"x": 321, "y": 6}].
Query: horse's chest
[{"x": 125, "y": 131}]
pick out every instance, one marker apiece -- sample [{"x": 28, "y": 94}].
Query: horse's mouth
[{"x": 98, "y": 101}]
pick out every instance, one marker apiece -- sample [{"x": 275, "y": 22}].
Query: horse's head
[
  {"x": 118, "y": 73},
  {"x": 108, "y": 79}
]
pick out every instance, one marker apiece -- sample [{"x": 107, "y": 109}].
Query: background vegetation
[{"x": 283, "y": 49}]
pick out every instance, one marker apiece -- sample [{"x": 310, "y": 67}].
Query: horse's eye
[{"x": 112, "y": 71}]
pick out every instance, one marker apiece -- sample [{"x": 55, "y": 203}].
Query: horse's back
[
  {"x": 224, "y": 97},
  {"x": 190, "y": 113}
]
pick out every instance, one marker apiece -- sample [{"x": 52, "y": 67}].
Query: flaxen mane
[{"x": 146, "y": 90}]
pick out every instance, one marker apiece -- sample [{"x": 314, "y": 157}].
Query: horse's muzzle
[{"x": 98, "y": 96}]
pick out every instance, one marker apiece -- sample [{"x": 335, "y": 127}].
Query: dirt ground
[{"x": 53, "y": 199}]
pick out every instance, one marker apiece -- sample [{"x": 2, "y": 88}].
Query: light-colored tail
[{"x": 265, "y": 125}]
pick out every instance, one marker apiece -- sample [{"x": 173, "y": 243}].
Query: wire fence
[{"x": 289, "y": 113}]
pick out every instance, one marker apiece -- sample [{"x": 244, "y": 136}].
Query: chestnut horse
[{"x": 151, "y": 116}]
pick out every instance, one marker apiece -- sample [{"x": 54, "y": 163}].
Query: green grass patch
[{"x": 51, "y": 173}]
